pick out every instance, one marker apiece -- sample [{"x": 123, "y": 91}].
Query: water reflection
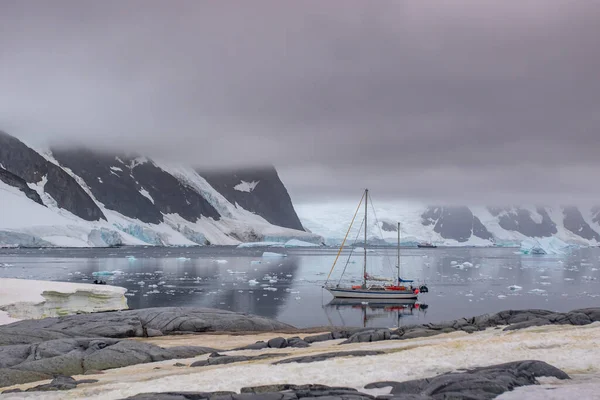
[{"x": 381, "y": 313}]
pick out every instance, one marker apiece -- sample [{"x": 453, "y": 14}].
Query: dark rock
[
  {"x": 574, "y": 222},
  {"x": 254, "y": 346},
  {"x": 268, "y": 199},
  {"x": 133, "y": 323},
  {"x": 153, "y": 332},
  {"x": 418, "y": 333},
  {"x": 369, "y": 336},
  {"x": 21, "y": 184},
  {"x": 179, "y": 365},
  {"x": 327, "y": 356},
  {"x": 456, "y": 223},
  {"x": 277, "y": 343},
  {"x": 87, "y": 381},
  {"x": 116, "y": 180},
  {"x": 182, "y": 396},
  {"x": 527, "y": 324},
  {"x": 82, "y": 355},
  {"x": 576, "y": 318},
  {"x": 20, "y": 160},
  {"x": 520, "y": 220},
  {"x": 93, "y": 372},
  {"x": 58, "y": 383},
  {"x": 318, "y": 338},
  {"x": 469, "y": 328},
  {"x": 478, "y": 383},
  {"x": 219, "y": 359}
]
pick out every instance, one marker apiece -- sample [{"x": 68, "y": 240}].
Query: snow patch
[
  {"x": 244, "y": 186},
  {"x": 145, "y": 193}
]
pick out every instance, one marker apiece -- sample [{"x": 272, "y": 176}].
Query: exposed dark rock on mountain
[
  {"x": 268, "y": 198},
  {"x": 575, "y": 222},
  {"x": 116, "y": 181},
  {"x": 520, "y": 220},
  {"x": 456, "y": 223},
  {"x": 14, "y": 180},
  {"x": 25, "y": 163}
]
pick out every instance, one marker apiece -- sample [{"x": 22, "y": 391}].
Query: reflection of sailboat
[
  {"x": 399, "y": 290},
  {"x": 377, "y": 310}
]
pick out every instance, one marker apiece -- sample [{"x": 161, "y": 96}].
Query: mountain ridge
[{"x": 79, "y": 197}]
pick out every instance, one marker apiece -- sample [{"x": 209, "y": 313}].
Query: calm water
[{"x": 289, "y": 288}]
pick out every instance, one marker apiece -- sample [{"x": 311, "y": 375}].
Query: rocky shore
[{"x": 55, "y": 349}]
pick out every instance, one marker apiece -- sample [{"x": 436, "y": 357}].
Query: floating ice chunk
[
  {"x": 183, "y": 258},
  {"x": 130, "y": 258},
  {"x": 102, "y": 273},
  {"x": 253, "y": 282},
  {"x": 255, "y": 262},
  {"x": 453, "y": 262},
  {"x": 271, "y": 289},
  {"x": 220, "y": 261},
  {"x": 501, "y": 296},
  {"x": 272, "y": 280},
  {"x": 270, "y": 254},
  {"x": 141, "y": 283},
  {"x": 467, "y": 264},
  {"x": 537, "y": 291},
  {"x": 515, "y": 288}
]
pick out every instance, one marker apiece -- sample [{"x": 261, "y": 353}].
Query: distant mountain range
[
  {"x": 458, "y": 225},
  {"x": 80, "y": 197}
]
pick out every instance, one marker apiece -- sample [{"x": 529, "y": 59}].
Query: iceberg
[
  {"x": 31, "y": 299},
  {"x": 545, "y": 246}
]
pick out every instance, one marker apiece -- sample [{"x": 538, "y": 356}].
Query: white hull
[{"x": 372, "y": 294}]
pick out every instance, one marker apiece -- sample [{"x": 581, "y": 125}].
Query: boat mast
[
  {"x": 398, "y": 253},
  {"x": 365, "y": 246}
]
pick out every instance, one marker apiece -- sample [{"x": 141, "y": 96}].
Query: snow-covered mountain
[
  {"x": 456, "y": 225},
  {"x": 81, "y": 198}
]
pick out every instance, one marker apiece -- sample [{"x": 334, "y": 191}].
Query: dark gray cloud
[{"x": 469, "y": 100}]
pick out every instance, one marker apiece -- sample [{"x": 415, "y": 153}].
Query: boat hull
[{"x": 372, "y": 294}]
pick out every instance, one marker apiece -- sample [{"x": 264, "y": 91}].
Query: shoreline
[{"x": 188, "y": 349}]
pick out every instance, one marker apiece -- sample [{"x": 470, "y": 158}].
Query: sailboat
[{"x": 401, "y": 289}]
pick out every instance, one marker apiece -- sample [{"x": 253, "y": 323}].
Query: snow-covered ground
[
  {"x": 574, "y": 349},
  {"x": 30, "y": 299}
]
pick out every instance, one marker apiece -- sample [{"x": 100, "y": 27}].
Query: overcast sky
[{"x": 447, "y": 101}]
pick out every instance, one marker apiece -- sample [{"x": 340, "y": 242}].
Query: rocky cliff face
[
  {"x": 32, "y": 168},
  {"x": 135, "y": 187},
  {"x": 259, "y": 191},
  {"x": 456, "y": 223},
  {"x": 82, "y": 197}
]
